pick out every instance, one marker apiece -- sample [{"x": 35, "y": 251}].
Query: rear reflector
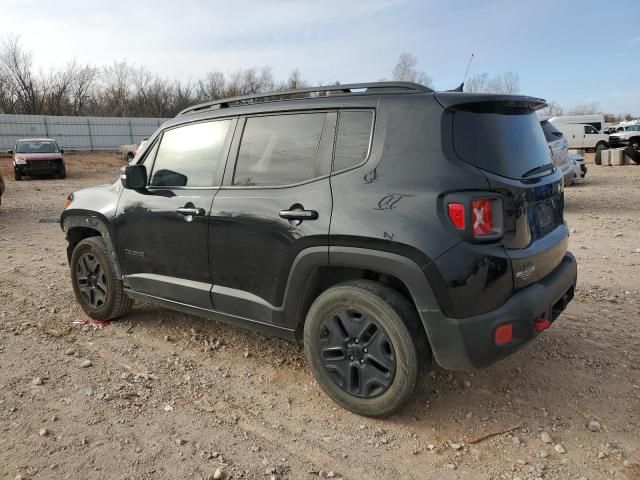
[
  {"x": 504, "y": 334},
  {"x": 456, "y": 214},
  {"x": 482, "y": 217},
  {"x": 540, "y": 324}
]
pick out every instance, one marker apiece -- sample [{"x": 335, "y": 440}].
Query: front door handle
[
  {"x": 190, "y": 211},
  {"x": 299, "y": 214}
]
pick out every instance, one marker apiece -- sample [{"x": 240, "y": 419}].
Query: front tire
[
  {"x": 365, "y": 347},
  {"x": 17, "y": 175},
  {"x": 96, "y": 286}
]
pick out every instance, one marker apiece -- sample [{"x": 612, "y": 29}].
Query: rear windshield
[
  {"x": 26, "y": 146},
  {"x": 506, "y": 143},
  {"x": 551, "y": 133}
]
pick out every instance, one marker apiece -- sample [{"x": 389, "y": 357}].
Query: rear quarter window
[{"x": 352, "y": 138}]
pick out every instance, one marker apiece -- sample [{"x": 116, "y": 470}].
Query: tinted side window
[
  {"x": 589, "y": 129},
  {"x": 352, "y": 139},
  {"x": 279, "y": 150},
  {"x": 189, "y": 156}
]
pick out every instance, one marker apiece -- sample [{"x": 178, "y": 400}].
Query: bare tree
[
  {"x": 183, "y": 95},
  {"x": 584, "y": 109},
  {"x": 212, "y": 87},
  {"x": 405, "y": 70},
  {"x": 295, "y": 80},
  {"x": 249, "y": 81},
  {"x": 83, "y": 89},
  {"x": 553, "y": 109},
  {"x": 477, "y": 83},
  {"x": 506, "y": 83},
  {"x": 22, "y": 89},
  {"x": 116, "y": 88}
]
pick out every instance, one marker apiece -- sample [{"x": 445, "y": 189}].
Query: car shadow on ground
[{"x": 517, "y": 389}]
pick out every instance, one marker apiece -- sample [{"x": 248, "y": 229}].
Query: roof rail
[{"x": 311, "y": 92}]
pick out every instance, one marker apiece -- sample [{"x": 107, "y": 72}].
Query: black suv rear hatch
[{"x": 501, "y": 135}]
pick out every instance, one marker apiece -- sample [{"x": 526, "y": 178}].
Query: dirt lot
[{"x": 167, "y": 395}]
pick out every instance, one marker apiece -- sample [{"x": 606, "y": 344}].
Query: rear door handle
[
  {"x": 299, "y": 214},
  {"x": 190, "y": 212}
]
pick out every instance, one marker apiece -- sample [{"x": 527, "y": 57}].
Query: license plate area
[{"x": 544, "y": 217}]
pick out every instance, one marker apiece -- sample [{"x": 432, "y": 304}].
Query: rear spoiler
[{"x": 488, "y": 101}]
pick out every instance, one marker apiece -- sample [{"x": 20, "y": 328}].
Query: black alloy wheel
[
  {"x": 357, "y": 353},
  {"x": 96, "y": 283},
  {"x": 91, "y": 280},
  {"x": 365, "y": 346}
]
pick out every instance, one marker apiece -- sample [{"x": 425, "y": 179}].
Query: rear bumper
[{"x": 469, "y": 342}]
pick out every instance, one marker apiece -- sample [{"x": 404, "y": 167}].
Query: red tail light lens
[
  {"x": 482, "y": 217},
  {"x": 456, "y": 214}
]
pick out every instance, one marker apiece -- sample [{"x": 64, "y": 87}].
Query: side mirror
[
  {"x": 61, "y": 150},
  {"x": 10, "y": 152},
  {"x": 134, "y": 177}
]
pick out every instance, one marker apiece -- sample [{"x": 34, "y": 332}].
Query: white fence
[{"x": 77, "y": 133}]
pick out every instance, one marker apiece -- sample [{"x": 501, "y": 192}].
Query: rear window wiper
[{"x": 540, "y": 169}]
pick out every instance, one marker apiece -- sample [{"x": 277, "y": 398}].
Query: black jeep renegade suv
[{"x": 383, "y": 224}]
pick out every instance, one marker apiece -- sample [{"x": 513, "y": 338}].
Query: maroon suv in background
[{"x": 37, "y": 156}]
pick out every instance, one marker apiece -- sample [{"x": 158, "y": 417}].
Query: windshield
[
  {"x": 509, "y": 144},
  {"x": 27, "y": 146}
]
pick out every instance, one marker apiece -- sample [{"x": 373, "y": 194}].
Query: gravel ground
[{"x": 161, "y": 394}]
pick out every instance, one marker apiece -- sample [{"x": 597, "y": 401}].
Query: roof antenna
[
  {"x": 467, "y": 70},
  {"x": 460, "y": 88}
]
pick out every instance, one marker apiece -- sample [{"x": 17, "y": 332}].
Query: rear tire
[
  {"x": 96, "y": 286},
  {"x": 346, "y": 319},
  {"x": 598, "y": 157}
]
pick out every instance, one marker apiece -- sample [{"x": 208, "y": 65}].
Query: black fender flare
[
  {"x": 99, "y": 223},
  {"x": 404, "y": 269},
  {"x": 445, "y": 339}
]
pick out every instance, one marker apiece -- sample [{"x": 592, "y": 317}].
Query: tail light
[
  {"x": 482, "y": 217},
  {"x": 456, "y": 214},
  {"x": 476, "y": 217}
]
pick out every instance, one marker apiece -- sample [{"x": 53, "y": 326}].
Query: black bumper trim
[{"x": 459, "y": 344}]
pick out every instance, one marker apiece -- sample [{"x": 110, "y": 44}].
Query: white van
[
  {"x": 596, "y": 120},
  {"x": 584, "y": 137}
]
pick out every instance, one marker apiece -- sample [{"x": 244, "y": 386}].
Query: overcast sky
[{"x": 572, "y": 51}]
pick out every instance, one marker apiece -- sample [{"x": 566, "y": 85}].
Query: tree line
[
  {"x": 117, "y": 90},
  {"x": 125, "y": 90}
]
